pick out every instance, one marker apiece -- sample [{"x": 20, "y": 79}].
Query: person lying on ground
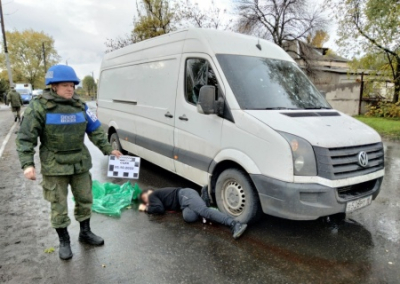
[{"x": 159, "y": 201}]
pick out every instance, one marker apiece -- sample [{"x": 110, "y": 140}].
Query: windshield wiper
[
  {"x": 276, "y": 108},
  {"x": 321, "y": 107}
]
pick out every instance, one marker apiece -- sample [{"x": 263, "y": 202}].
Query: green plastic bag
[{"x": 110, "y": 198}]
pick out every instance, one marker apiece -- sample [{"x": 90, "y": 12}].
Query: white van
[
  {"x": 236, "y": 112},
  {"x": 25, "y": 90}
]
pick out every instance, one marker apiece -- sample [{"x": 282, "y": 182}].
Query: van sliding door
[{"x": 154, "y": 111}]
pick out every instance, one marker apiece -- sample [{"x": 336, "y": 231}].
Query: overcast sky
[{"x": 79, "y": 27}]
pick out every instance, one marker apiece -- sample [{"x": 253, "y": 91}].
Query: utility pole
[
  {"x": 5, "y": 46},
  {"x": 44, "y": 57}
]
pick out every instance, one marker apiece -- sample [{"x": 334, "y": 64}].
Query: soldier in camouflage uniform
[
  {"x": 14, "y": 98},
  {"x": 60, "y": 120}
]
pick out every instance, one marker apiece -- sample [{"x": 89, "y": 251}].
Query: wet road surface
[{"x": 164, "y": 249}]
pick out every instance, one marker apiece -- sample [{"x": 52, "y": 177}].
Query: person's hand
[
  {"x": 30, "y": 173},
  {"x": 116, "y": 153},
  {"x": 142, "y": 207}
]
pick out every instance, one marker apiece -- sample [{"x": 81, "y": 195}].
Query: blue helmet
[{"x": 61, "y": 73}]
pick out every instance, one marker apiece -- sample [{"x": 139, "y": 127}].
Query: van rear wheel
[{"x": 236, "y": 196}]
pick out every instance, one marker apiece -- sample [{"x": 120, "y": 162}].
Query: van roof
[{"x": 196, "y": 40}]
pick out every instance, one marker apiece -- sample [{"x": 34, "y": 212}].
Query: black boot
[
  {"x": 15, "y": 119},
  {"x": 238, "y": 229},
  {"x": 205, "y": 196},
  {"x": 64, "y": 252},
  {"x": 86, "y": 235}
]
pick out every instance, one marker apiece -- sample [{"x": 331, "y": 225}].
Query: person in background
[
  {"x": 60, "y": 120},
  {"x": 14, "y": 98},
  {"x": 192, "y": 205}
]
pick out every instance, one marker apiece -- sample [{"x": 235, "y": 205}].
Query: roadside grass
[{"x": 387, "y": 128}]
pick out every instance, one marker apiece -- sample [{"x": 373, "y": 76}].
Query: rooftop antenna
[{"x": 258, "y": 45}]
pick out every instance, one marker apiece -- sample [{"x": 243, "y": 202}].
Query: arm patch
[{"x": 93, "y": 121}]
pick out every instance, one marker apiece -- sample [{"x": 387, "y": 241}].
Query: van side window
[{"x": 198, "y": 74}]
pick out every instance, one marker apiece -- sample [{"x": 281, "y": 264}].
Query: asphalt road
[{"x": 164, "y": 249}]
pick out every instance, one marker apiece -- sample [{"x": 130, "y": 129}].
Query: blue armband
[{"x": 93, "y": 121}]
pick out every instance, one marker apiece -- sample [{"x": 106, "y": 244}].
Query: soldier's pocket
[
  {"x": 49, "y": 191},
  {"x": 69, "y": 158}
]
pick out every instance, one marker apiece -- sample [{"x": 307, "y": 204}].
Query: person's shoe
[
  {"x": 86, "y": 235},
  {"x": 15, "y": 119},
  {"x": 237, "y": 229},
  {"x": 64, "y": 252},
  {"x": 205, "y": 196}
]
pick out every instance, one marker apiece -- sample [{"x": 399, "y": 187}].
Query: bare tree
[
  {"x": 287, "y": 23},
  {"x": 211, "y": 18},
  {"x": 117, "y": 43}
]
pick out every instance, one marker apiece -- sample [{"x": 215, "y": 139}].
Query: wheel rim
[{"x": 233, "y": 197}]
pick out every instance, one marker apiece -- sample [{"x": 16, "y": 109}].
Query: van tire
[
  {"x": 236, "y": 196},
  {"x": 115, "y": 144}
]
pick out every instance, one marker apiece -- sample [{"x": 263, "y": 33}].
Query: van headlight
[{"x": 303, "y": 155}]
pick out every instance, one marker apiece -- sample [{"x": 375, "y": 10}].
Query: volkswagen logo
[{"x": 363, "y": 159}]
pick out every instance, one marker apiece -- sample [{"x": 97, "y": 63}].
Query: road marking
[{"x": 3, "y": 146}]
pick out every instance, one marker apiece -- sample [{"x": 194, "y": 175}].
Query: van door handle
[
  {"x": 169, "y": 115},
  {"x": 183, "y": 117}
]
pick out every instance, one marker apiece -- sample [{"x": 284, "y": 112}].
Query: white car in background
[{"x": 36, "y": 93}]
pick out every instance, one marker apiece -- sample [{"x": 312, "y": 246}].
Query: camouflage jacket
[
  {"x": 60, "y": 124},
  {"x": 14, "y": 98}
]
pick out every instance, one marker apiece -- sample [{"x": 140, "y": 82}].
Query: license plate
[{"x": 358, "y": 204}]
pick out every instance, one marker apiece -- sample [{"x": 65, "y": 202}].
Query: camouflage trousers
[
  {"x": 16, "y": 111},
  {"x": 55, "y": 190}
]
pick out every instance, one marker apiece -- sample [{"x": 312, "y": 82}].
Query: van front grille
[
  {"x": 343, "y": 162},
  {"x": 354, "y": 191}
]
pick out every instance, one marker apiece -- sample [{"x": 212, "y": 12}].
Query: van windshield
[
  {"x": 263, "y": 83},
  {"x": 23, "y": 91}
]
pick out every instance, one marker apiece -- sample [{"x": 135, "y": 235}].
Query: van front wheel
[{"x": 236, "y": 196}]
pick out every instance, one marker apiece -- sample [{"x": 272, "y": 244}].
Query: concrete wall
[{"x": 342, "y": 91}]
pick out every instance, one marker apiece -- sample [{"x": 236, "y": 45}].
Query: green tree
[
  {"x": 372, "y": 27},
  {"x": 89, "y": 85},
  {"x": 4, "y": 85},
  {"x": 318, "y": 39},
  {"x": 155, "y": 17},
  {"x": 27, "y": 57}
]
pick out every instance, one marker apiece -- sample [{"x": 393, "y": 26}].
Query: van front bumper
[{"x": 309, "y": 201}]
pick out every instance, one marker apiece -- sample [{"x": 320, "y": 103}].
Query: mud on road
[{"x": 164, "y": 249}]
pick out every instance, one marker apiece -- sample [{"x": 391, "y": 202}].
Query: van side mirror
[{"x": 206, "y": 103}]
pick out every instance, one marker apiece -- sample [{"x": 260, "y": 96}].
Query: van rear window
[{"x": 263, "y": 83}]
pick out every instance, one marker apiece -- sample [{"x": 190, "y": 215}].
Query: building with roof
[{"x": 342, "y": 87}]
